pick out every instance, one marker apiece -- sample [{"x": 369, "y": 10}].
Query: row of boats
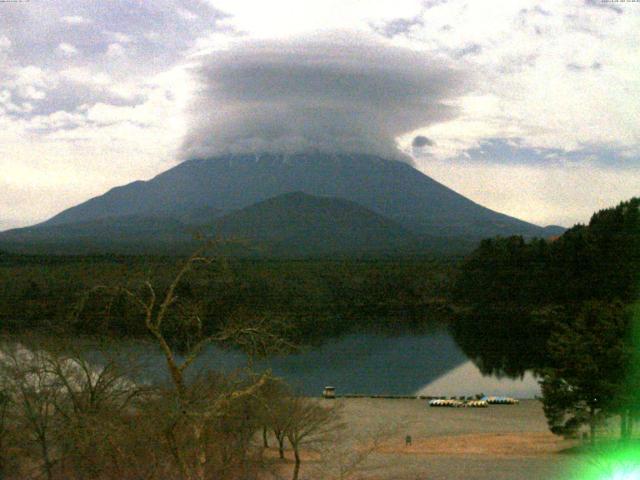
[{"x": 480, "y": 403}]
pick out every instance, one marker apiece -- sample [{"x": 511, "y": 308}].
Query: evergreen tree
[
  {"x": 590, "y": 357},
  {"x": 516, "y": 293}
]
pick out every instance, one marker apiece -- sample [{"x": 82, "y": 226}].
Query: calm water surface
[{"x": 373, "y": 364}]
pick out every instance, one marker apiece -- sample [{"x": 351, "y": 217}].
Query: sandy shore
[
  {"x": 516, "y": 445},
  {"x": 495, "y": 443}
]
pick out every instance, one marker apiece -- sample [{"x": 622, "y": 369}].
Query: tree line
[
  {"x": 565, "y": 308},
  {"x": 323, "y": 298}
]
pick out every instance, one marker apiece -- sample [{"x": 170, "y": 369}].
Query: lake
[{"x": 372, "y": 364}]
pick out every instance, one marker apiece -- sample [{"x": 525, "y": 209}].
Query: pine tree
[{"x": 590, "y": 357}]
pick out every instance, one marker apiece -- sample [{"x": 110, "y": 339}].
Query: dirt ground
[
  {"x": 490, "y": 444},
  {"x": 497, "y": 443}
]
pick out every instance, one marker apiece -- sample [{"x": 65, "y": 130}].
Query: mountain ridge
[
  {"x": 227, "y": 183},
  {"x": 396, "y": 202}
]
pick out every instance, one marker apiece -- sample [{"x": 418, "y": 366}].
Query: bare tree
[
  {"x": 273, "y": 412},
  {"x": 34, "y": 393},
  {"x": 255, "y": 336},
  {"x": 87, "y": 386},
  {"x": 5, "y": 405},
  {"x": 93, "y": 407},
  {"x": 346, "y": 455},
  {"x": 62, "y": 406},
  {"x": 309, "y": 424}
]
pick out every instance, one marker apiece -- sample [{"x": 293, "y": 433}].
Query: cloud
[
  {"x": 561, "y": 77},
  {"x": 61, "y": 157},
  {"x": 119, "y": 37},
  {"x": 161, "y": 35},
  {"x": 575, "y": 67},
  {"x": 187, "y": 14},
  {"x": 421, "y": 141},
  {"x": 28, "y": 83},
  {"x": 472, "y": 49},
  {"x": 66, "y": 119},
  {"x": 115, "y": 50},
  {"x": 5, "y": 43},
  {"x": 602, "y": 4},
  {"x": 398, "y": 26},
  {"x": 329, "y": 94},
  {"x": 67, "y": 49},
  {"x": 514, "y": 151},
  {"x": 34, "y": 91},
  {"x": 75, "y": 20},
  {"x": 288, "y": 18}
]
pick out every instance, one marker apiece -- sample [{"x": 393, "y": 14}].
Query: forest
[
  {"x": 318, "y": 298},
  {"x": 567, "y": 309}
]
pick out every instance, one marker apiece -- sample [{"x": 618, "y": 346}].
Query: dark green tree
[
  {"x": 590, "y": 357},
  {"x": 515, "y": 293}
]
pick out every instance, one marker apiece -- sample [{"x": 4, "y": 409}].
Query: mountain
[
  {"x": 202, "y": 191},
  {"x": 298, "y": 223},
  {"x": 289, "y": 225},
  {"x": 391, "y": 188},
  {"x": 551, "y": 231}
]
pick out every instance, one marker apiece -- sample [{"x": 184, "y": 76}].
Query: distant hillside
[
  {"x": 551, "y": 231},
  {"x": 297, "y": 223},
  {"x": 289, "y": 225},
  {"x": 134, "y": 234}
]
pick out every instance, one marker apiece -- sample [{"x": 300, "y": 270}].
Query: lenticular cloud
[{"x": 331, "y": 94}]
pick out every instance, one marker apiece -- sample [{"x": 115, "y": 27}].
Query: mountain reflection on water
[{"x": 371, "y": 364}]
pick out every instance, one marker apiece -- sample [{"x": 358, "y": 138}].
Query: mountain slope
[
  {"x": 134, "y": 234},
  {"x": 300, "y": 224},
  {"x": 390, "y": 188},
  {"x": 292, "y": 224}
]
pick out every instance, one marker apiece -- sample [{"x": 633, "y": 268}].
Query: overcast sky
[{"x": 527, "y": 107}]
